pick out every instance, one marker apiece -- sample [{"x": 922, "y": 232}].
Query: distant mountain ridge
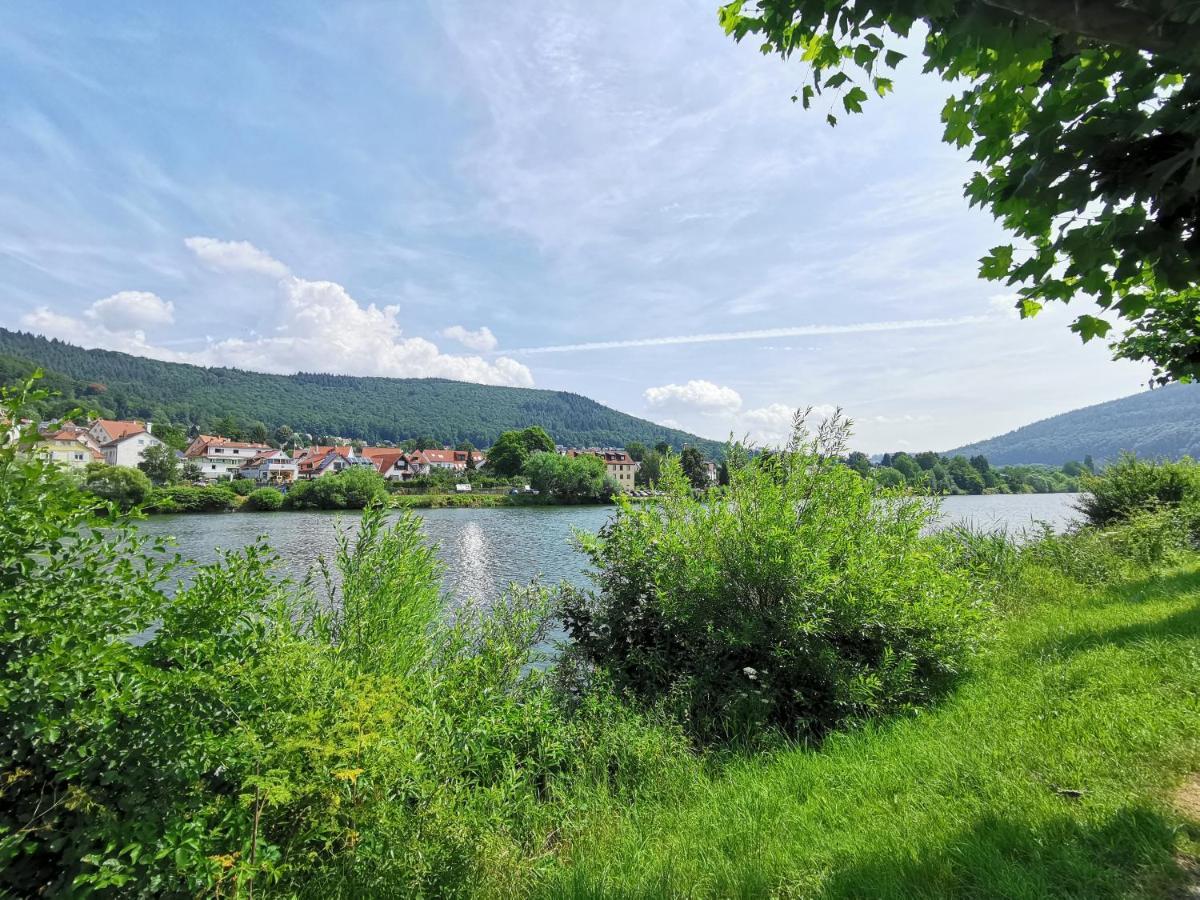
[
  {"x": 371, "y": 409},
  {"x": 1164, "y": 422}
]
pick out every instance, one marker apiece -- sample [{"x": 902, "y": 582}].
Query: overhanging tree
[{"x": 1084, "y": 119}]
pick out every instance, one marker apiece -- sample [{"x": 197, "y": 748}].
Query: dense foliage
[
  {"x": 120, "y": 485},
  {"x": 801, "y": 596},
  {"x": 1084, "y": 120},
  {"x": 931, "y": 473},
  {"x": 354, "y": 488},
  {"x": 1132, "y": 487},
  {"x": 251, "y": 405},
  {"x": 569, "y": 479},
  {"x": 508, "y": 454},
  {"x": 265, "y": 499},
  {"x": 188, "y": 498},
  {"x": 242, "y": 735}
]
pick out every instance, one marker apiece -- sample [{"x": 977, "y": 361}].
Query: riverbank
[{"x": 1062, "y": 767}]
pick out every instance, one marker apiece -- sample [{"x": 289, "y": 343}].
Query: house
[
  {"x": 270, "y": 467},
  {"x": 220, "y": 458},
  {"x": 105, "y": 431},
  {"x": 619, "y": 465},
  {"x": 128, "y": 449},
  {"x": 69, "y": 446},
  {"x": 451, "y": 460},
  {"x": 316, "y": 462},
  {"x": 392, "y": 464}
]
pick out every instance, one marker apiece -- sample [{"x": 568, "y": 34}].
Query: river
[{"x": 486, "y": 549}]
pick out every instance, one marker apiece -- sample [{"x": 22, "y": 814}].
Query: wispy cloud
[{"x": 760, "y": 334}]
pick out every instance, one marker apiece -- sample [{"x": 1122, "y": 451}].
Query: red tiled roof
[
  {"x": 124, "y": 437},
  {"x": 117, "y": 429},
  {"x": 385, "y": 461}
]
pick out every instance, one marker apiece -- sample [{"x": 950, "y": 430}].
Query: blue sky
[{"x": 613, "y": 199}]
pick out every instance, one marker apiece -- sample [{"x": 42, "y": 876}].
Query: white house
[
  {"x": 128, "y": 450},
  {"x": 219, "y": 458},
  {"x": 105, "y": 431},
  {"x": 270, "y": 467}
]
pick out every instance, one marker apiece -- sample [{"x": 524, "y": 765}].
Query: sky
[{"x": 612, "y": 199}]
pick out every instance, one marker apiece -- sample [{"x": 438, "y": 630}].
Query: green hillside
[
  {"x": 1164, "y": 422},
  {"x": 371, "y": 409}
]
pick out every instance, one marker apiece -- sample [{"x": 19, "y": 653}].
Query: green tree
[
  {"x": 569, "y": 479},
  {"x": 650, "y": 469},
  {"x": 507, "y": 456},
  {"x": 662, "y": 448},
  {"x": 1083, "y": 119},
  {"x": 160, "y": 464},
  {"x": 637, "y": 450},
  {"x": 859, "y": 462},
  {"x": 907, "y": 466},
  {"x": 284, "y": 435},
  {"x": 257, "y": 433},
  {"x": 120, "y": 485},
  {"x": 174, "y": 436},
  {"x": 190, "y": 471},
  {"x": 692, "y": 462},
  {"x": 888, "y": 477}
]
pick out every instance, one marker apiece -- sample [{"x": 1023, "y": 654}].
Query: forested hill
[
  {"x": 1164, "y": 422},
  {"x": 371, "y": 409}
]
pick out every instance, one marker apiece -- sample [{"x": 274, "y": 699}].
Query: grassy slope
[{"x": 1098, "y": 691}]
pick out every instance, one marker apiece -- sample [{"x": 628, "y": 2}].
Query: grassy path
[{"x": 1049, "y": 773}]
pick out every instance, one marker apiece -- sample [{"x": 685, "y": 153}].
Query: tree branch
[{"x": 1110, "y": 22}]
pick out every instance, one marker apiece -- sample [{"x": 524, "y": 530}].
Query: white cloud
[
  {"x": 482, "y": 339},
  {"x": 697, "y": 394},
  {"x": 235, "y": 256},
  {"x": 319, "y": 328},
  {"x": 131, "y": 310}
]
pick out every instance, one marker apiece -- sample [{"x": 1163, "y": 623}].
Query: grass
[{"x": 1048, "y": 773}]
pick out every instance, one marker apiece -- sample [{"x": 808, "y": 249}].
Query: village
[{"x": 213, "y": 458}]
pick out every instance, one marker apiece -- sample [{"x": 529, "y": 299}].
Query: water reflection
[{"x": 484, "y": 550}]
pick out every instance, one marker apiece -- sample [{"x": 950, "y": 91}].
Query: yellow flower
[{"x": 350, "y": 775}]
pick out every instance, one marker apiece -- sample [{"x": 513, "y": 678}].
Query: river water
[{"x": 484, "y": 550}]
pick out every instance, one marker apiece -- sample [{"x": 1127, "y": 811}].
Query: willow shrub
[
  {"x": 1131, "y": 487},
  {"x": 800, "y": 597},
  {"x": 239, "y": 734}
]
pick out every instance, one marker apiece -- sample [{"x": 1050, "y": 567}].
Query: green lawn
[{"x": 1048, "y": 773}]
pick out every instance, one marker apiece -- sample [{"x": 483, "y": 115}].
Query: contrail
[{"x": 761, "y": 333}]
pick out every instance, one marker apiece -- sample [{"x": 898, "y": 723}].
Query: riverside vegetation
[{"x": 790, "y": 689}]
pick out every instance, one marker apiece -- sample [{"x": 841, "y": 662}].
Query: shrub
[
  {"x": 242, "y": 486},
  {"x": 354, "y": 488},
  {"x": 801, "y": 597},
  {"x": 192, "y": 498},
  {"x": 569, "y": 479},
  {"x": 119, "y": 485},
  {"x": 266, "y": 499},
  {"x": 1131, "y": 486},
  {"x": 260, "y": 736}
]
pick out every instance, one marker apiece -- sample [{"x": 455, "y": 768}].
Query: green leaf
[
  {"x": 836, "y": 80},
  {"x": 832, "y": 120},
  {"x": 892, "y": 58},
  {"x": 854, "y": 99},
  {"x": 1029, "y": 308},
  {"x": 996, "y": 264},
  {"x": 1088, "y": 327}
]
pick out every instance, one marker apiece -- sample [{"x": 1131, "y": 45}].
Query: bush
[
  {"x": 354, "y": 488},
  {"x": 119, "y": 485},
  {"x": 803, "y": 596},
  {"x": 569, "y": 479},
  {"x": 192, "y": 498},
  {"x": 1132, "y": 486},
  {"x": 242, "y": 486},
  {"x": 265, "y": 499},
  {"x": 256, "y": 735}
]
